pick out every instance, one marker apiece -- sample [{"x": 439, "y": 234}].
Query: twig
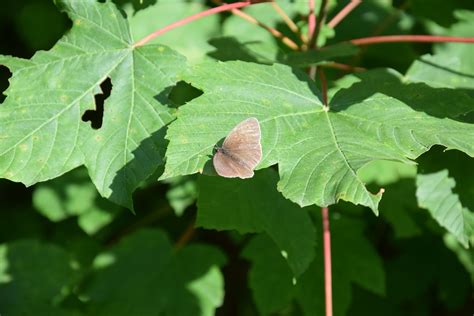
[
  {"x": 324, "y": 88},
  {"x": 321, "y": 18},
  {"x": 343, "y": 13},
  {"x": 222, "y": 8},
  {"x": 410, "y": 38},
  {"x": 285, "y": 17},
  {"x": 185, "y": 236},
  {"x": 327, "y": 261},
  {"x": 311, "y": 21},
  {"x": 287, "y": 41}
]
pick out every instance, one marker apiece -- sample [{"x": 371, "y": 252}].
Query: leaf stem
[
  {"x": 324, "y": 87},
  {"x": 321, "y": 18},
  {"x": 185, "y": 236},
  {"x": 343, "y": 13},
  {"x": 410, "y": 38},
  {"x": 327, "y": 260},
  {"x": 285, "y": 40},
  {"x": 311, "y": 20},
  {"x": 285, "y": 17},
  {"x": 222, "y": 8}
]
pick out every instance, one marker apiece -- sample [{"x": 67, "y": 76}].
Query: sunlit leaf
[
  {"x": 42, "y": 133},
  {"x": 435, "y": 193}
]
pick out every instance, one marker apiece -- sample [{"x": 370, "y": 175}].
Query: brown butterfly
[{"x": 241, "y": 151}]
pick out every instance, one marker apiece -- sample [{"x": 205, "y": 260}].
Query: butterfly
[{"x": 241, "y": 151}]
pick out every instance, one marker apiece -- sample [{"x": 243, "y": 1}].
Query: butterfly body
[{"x": 241, "y": 151}]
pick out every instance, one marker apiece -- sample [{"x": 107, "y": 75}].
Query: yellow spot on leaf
[{"x": 23, "y": 147}]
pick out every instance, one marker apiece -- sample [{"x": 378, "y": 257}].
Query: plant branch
[
  {"x": 222, "y": 8},
  {"x": 327, "y": 261},
  {"x": 285, "y": 17},
  {"x": 311, "y": 20},
  {"x": 324, "y": 87},
  {"x": 285, "y": 40},
  {"x": 185, "y": 236},
  {"x": 343, "y": 13},
  {"x": 321, "y": 18},
  {"x": 410, "y": 38}
]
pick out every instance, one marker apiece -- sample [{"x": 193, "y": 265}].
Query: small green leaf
[
  {"x": 254, "y": 205},
  {"x": 164, "y": 281},
  {"x": 354, "y": 262},
  {"x": 434, "y": 193},
  {"x": 73, "y": 194},
  {"x": 269, "y": 271},
  {"x": 181, "y": 194},
  {"x": 34, "y": 277}
]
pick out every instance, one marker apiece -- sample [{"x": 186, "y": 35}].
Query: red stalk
[
  {"x": 343, "y": 13},
  {"x": 410, "y": 38},
  {"x": 327, "y": 261},
  {"x": 222, "y": 8},
  {"x": 311, "y": 20}
]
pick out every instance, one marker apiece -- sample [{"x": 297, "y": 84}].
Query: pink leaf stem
[
  {"x": 410, "y": 38},
  {"x": 311, "y": 20},
  {"x": 343, "y": 13},
  {"x": 327, "y": 261},
  {"x": 222, "y": 8}
]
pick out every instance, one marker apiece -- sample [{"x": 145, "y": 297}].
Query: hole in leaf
[
  {"x": 5, "y": 74},
  {"x": 181, "y": 93},
  {"x": 96, "y": 116}
]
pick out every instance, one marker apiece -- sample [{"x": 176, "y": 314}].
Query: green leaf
[
  {"x": 74, "y": 195},
  {"x": 254, "y": 205},
  {"x": 451, "y": 66},
  {"x": 354, "y": 261},
  {"x": 164, "y": 281},
  {"x": 385, "y": 172},
  {"x": 399, "y": 207},
  {"x": 434, "y": 193},
  {"x": 42, "y": 132},
  {"x": 181, "y": 194},
  {"x": 319, "y": 152},
  {"x": 439, "y": 11},
  {"x": 35, "y": 277},
  {"x": 269, "y": 278}
]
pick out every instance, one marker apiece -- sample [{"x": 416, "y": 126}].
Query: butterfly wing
[
  {"x": 243, "y": 143},
  {"x": 227, "y": 167}
]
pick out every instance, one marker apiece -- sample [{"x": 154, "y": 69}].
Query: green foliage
[
  {"x": 434, "y": 192},
  {"x": 114, "y": 137},
  {"x": 258, "y": 207}
]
